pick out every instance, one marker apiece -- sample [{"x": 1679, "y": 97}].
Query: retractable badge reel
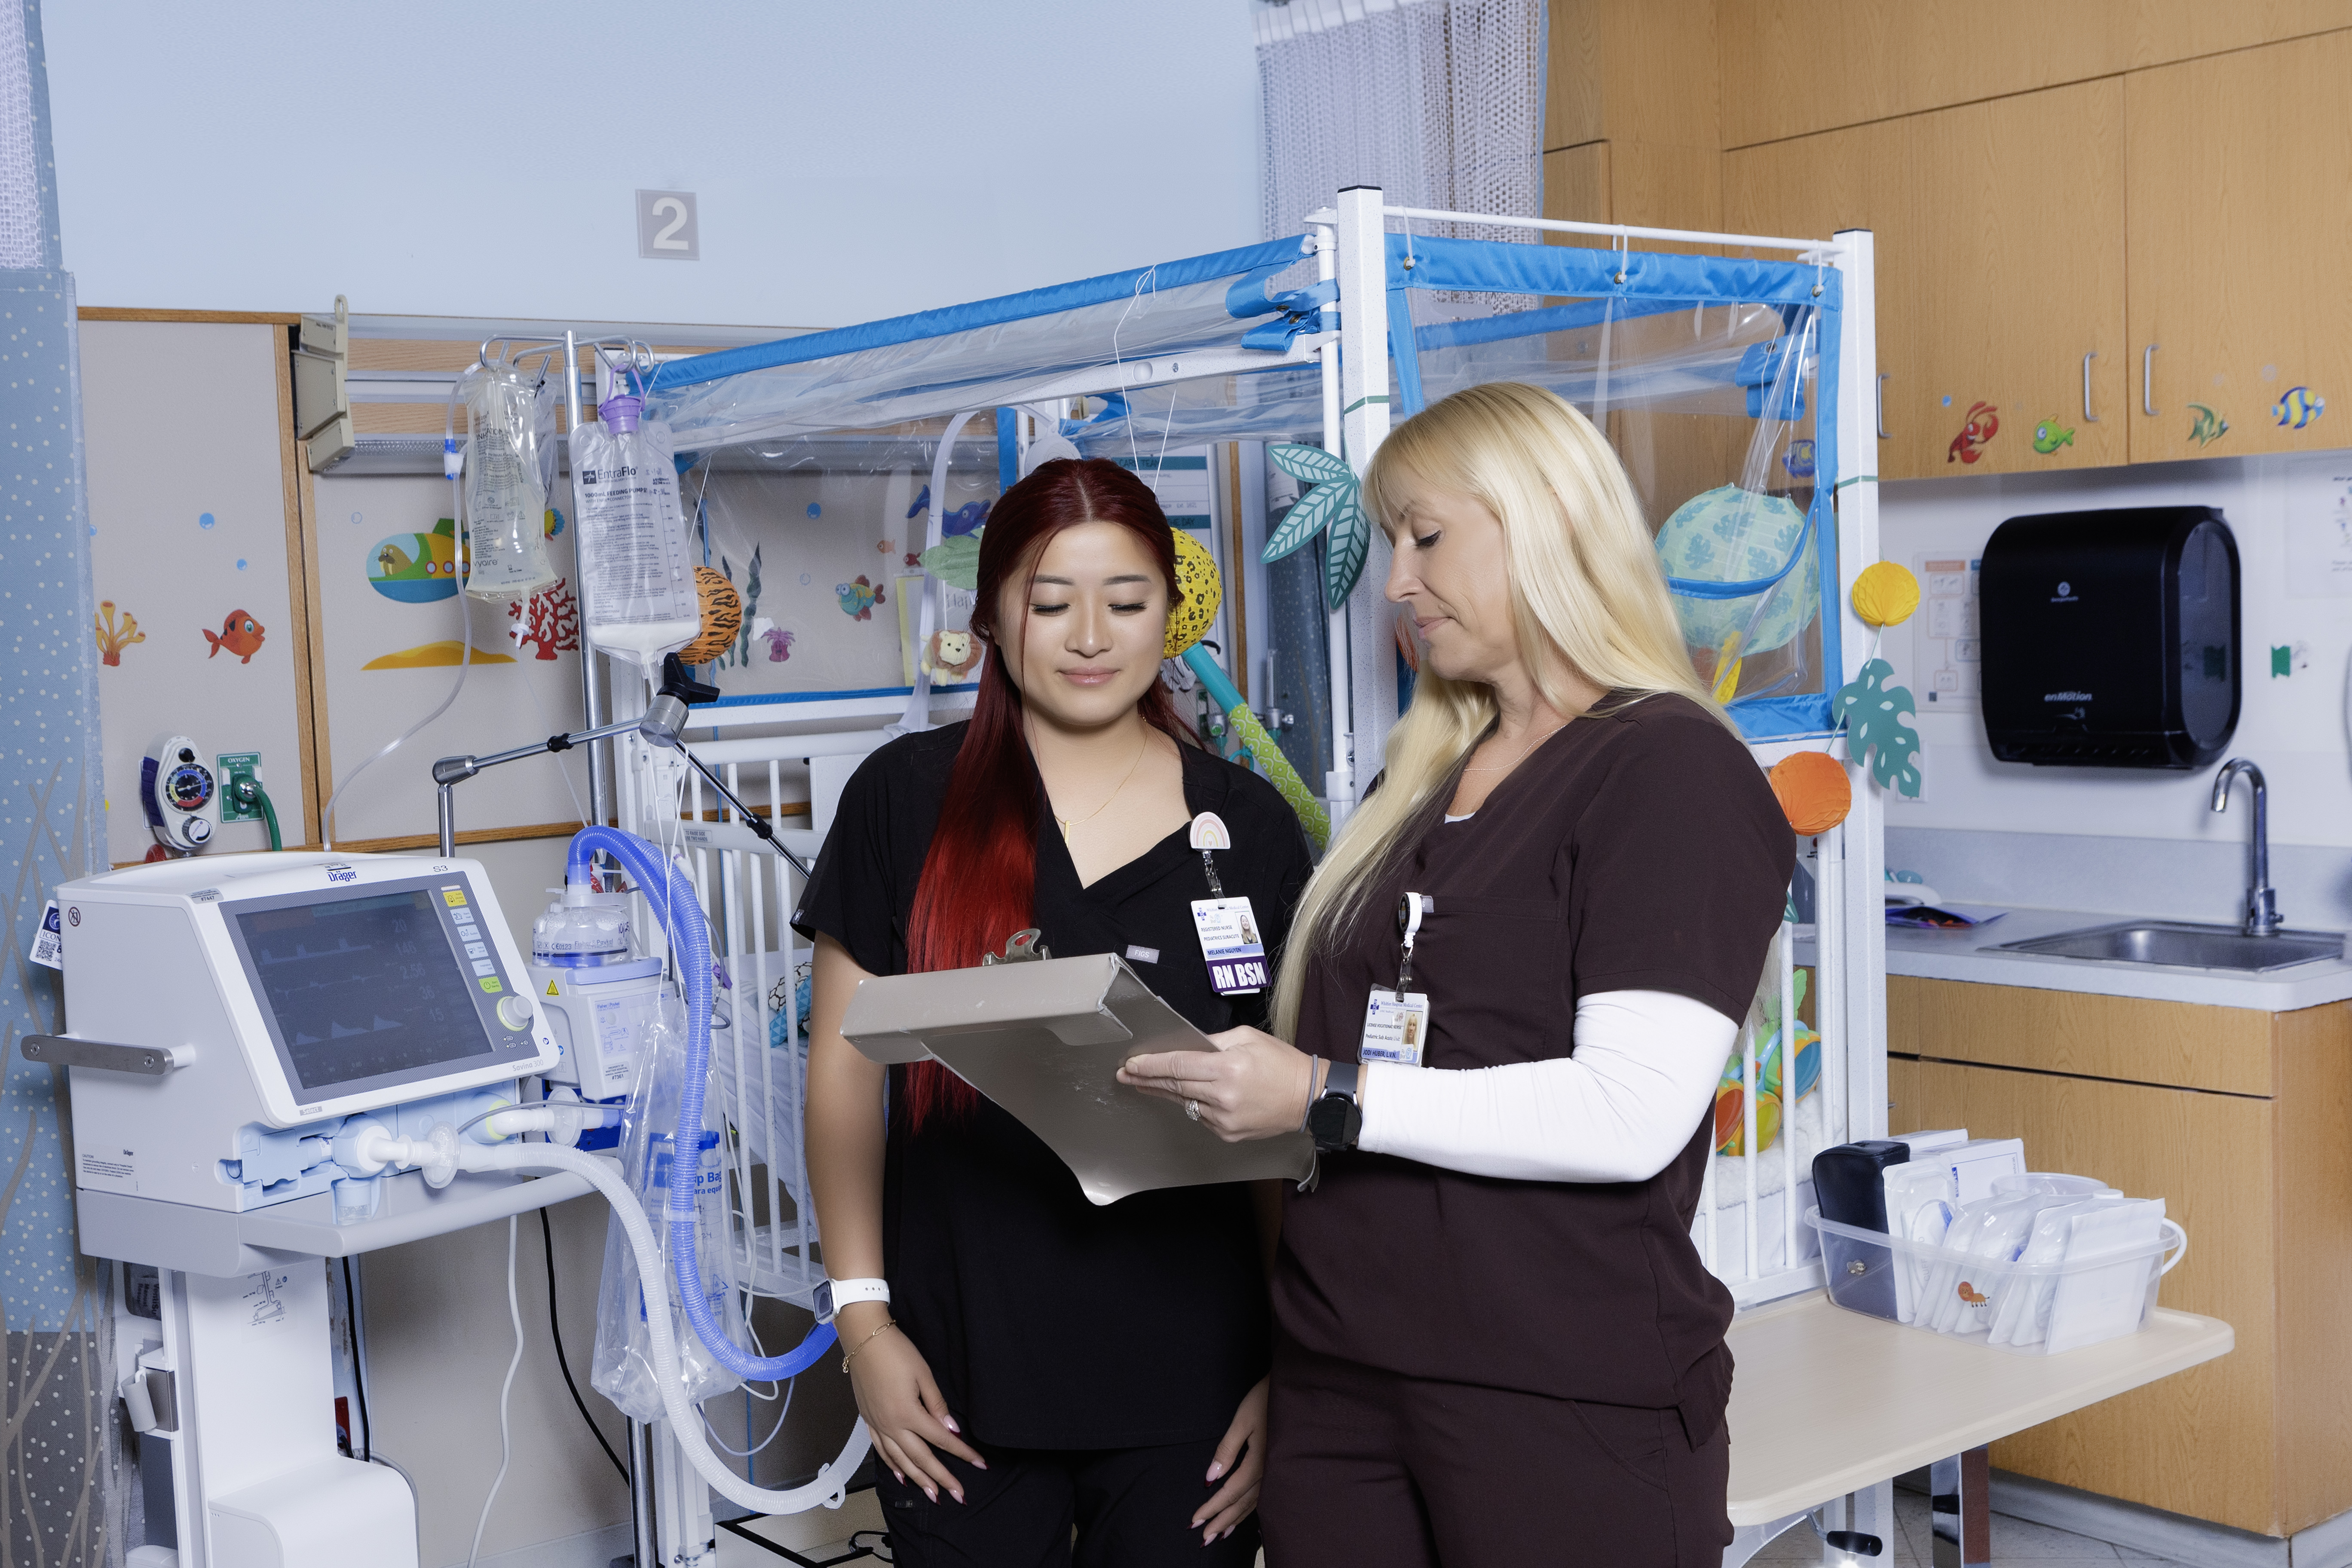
[
  {"x": 1230, "y": 942},
  {"x": 1396, "y": 1018}
]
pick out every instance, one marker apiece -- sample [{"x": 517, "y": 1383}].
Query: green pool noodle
[{"x": 1270, "y": 760}]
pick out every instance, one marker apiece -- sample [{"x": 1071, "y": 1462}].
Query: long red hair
[{"x": 979, "y": 875}]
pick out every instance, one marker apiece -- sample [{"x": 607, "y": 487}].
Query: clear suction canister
[
  {"x": 637, "y": 564},
  {"x": 506, "y": 503}
]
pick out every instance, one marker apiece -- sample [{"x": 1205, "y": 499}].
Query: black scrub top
[
  {"x": 1051, "y": 1322},
  {"x": 1639, "y": 848}
]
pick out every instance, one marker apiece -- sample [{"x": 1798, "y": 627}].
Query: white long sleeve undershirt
[{"x": 1620, "y": 1109}]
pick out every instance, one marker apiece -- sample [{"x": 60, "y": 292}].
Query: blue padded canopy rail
[
  {"x": 1487, "y": 267},
  {"x": 1264, "y": 260}
]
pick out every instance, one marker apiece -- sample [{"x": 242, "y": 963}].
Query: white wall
[
  {"x": 2293, "y": 726},
  {"x": 852, "y": 161}
]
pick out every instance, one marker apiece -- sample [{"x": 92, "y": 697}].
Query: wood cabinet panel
[
  {"x": 2121, "y": 1038},
  {"x": 2015, "y": 252},
  {"x": 2238, "y": 227},
  {"x": 2314, "y": 1230},
  {"x": 1816, "y": 186},
  {"x": 2204, "y": 1442},
  {"x": 2000, "y": 264},
  {"x": 1632, "y": 72},
  {"x": 1886, "y": 60}
]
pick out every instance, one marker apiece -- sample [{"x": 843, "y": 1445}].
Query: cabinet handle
[
  {"x": 1882, "y": 407},
  {"x": 2088, "y": 417},
  {"x": 2147, "y": 380}
]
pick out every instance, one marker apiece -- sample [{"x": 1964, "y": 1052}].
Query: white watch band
[{"x": 848, "y": 1292}]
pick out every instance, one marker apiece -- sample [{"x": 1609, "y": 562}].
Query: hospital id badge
[
  {"x": 1231, "y": 942},
  {"x": 1395, "y": 1027}
]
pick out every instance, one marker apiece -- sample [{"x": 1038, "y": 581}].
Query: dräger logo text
[{"x": 341, "y": 874}]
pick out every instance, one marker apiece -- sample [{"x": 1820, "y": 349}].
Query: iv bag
[
  {"x": 636, "y": 570},
  {"x": 506, "y": 504},
  {"x": 624, "y": 1370}
]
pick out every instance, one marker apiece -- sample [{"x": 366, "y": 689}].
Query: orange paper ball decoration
[
  {"x": 1814, "y": 791},
  {"x": 722, "y": 618}
]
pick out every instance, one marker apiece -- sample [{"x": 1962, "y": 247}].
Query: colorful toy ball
[
  {"x": 1813, "y": 789},
  {"x": 1885, "y": 593}
]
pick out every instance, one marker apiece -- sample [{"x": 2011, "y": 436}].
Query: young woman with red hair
[{"x": 1027, "y": 1361}]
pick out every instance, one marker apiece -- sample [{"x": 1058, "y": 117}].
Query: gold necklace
[
  {"x": 1524, "y": 750},
  {"x": 1067, "y": 824}
]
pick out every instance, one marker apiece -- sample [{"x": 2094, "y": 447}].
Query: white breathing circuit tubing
[{"x": 831, "y": 1483}]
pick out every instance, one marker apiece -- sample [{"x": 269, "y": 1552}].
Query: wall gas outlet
[{"x": 235, "y": 765}]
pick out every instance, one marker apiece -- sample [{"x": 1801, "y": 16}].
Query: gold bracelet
[{"x": 848, "y": 1355}]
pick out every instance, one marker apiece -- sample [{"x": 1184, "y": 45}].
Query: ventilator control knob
[{"x": 514, "y": 1012}]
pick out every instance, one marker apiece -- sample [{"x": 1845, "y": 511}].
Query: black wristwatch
[{"x": 1333, "y": 1118}]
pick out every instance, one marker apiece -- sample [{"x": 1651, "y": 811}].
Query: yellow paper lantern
[
  {"x": 1885, "y": 593},
  {"x": 1198, "y": 595}
]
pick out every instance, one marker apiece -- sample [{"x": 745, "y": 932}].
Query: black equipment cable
[
  {"x": 358, "y": 1377},
  {"x": 547, "y": 1235}
]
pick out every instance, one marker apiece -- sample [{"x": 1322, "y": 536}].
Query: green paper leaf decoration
[
  {"x": 1302, "y": 522},
  {"x": 1877, "y": 717},
  {"x": 1351, "y": 541},
  {"x": 955, "y": 562},
  {"x": 1308, "y": 464}
]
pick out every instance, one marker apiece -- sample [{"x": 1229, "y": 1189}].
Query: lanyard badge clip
[{"x": 1410, "y": 910}]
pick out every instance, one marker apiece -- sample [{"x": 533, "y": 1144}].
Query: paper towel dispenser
[{"x": 2110, "y": 637}]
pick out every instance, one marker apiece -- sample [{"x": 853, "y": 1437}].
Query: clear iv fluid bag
[
  {"x": 636, "y": 568},
  {"x": 506, "y": 504}
]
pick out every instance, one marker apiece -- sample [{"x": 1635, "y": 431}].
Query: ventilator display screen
[{"x": 375, "y": 986}]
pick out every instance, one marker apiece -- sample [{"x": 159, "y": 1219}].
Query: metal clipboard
[{"x": 1044, "y": 1039}]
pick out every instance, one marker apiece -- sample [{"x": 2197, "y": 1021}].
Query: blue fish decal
[
  {"x": 1799, "y": 460},
  {"x": 857, "y": 597},
  {"x": 965, "y": 519},
  {"x": 2298, "y": 408}
]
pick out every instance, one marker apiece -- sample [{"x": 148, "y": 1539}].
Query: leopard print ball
[{"x": 1198, "y": 593}]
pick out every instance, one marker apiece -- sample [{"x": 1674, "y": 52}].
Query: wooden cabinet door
[
  {"x": 1999, "y": 229},
  {"x": 2016, "y": 262},
  {"x": 2240, "y": 166},
  {"x": 1811, "y": 187},
  {"x": 2200, "y": 1443}
]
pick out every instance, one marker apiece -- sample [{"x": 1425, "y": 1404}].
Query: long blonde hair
[{"x": 1587, "y": 593}]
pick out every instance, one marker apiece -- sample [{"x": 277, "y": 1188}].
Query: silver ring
[{"x": 1193, "y": 1109}]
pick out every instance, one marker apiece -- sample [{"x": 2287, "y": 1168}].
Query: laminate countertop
[{"x": 1975, "y": 956}]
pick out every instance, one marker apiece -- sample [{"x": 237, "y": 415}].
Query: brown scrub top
[{"x": 1639, "y": 848}]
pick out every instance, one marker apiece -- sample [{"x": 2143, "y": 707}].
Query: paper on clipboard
[{"x": 1044, "y": 1039}]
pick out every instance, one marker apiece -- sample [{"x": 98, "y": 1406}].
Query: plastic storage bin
[{"x": 2036, "y": 1308}]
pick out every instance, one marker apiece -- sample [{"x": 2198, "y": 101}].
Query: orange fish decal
[{"x": 240, "y": 634}]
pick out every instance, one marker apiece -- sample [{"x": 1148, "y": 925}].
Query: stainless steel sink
[{"x": 2182, "y": 945}]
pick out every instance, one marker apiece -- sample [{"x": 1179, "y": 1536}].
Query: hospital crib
[{"x": 1750, "y": 1228}]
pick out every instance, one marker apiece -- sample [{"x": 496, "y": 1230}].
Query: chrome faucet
[{"x": 2262, "y": 898}]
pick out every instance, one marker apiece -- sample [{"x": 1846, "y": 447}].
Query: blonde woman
[{"x": 1494, "y": 1341}]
